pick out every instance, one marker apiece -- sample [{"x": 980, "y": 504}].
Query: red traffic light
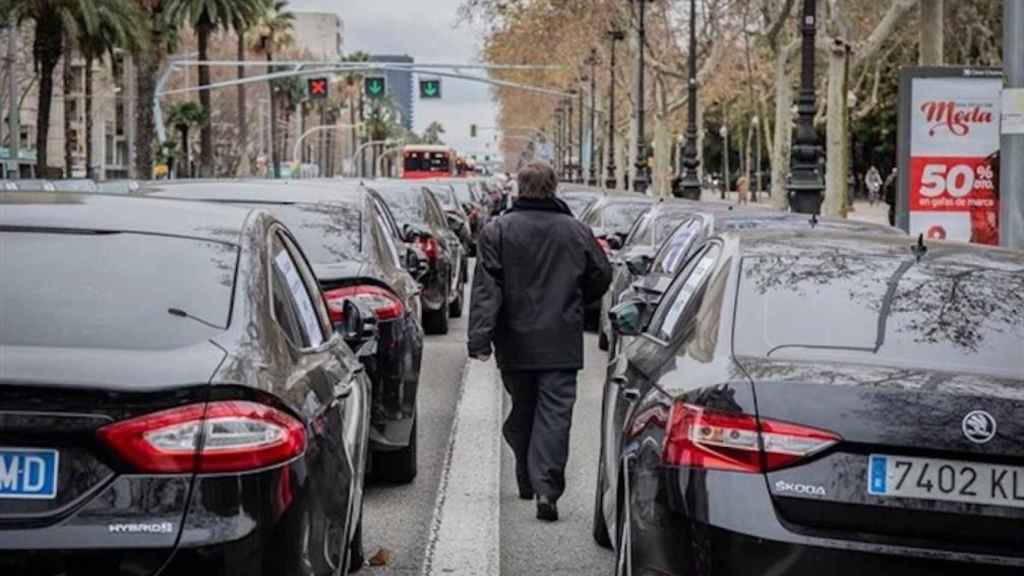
[{"x": 317, "y": 87}]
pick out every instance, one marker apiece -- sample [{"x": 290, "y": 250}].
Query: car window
[
  {"x": 328, "y": 232},
  {"x": 445, "y": 195},
  {"x": 640, "y": 228},
  {"x": 292, "y": 297},
  {"x": 434, "y": 212},
  {"x": 680, "y": 297},
  {"x": 952, "y": 315},
  {"x": 113, "y": 290},
  {"x": 407, "y": 205},
  {"x": 673, "y": 251},
  {"x": 620, "y": 216},
  {"x": 384, "y": 239},
  {"x": 464, "y": 192}
]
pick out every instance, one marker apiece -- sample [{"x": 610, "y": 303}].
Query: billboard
[{"x": 949, "y": 131}]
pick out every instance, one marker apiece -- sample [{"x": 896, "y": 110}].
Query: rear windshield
[
  {"x": 112, "y": 290},
  {"x": 962, "y": 316},
  {"x": 619, "y": 217},
  {"x": 464, "y": 192},
  {"x": 327, "y": 233},
  {"x": 407, "y": 205},
  {"x": 444, "y": 196}
]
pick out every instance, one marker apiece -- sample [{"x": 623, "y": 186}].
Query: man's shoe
[{"x": 547, "y": 509}]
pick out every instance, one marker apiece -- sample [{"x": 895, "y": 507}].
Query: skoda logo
[{"x": 979, "y": 427}]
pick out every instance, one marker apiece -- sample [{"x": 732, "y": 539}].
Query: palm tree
[
  {"x": 54, "y": 21},
  {"x": 274, "y": 32},
  {"x": 183, "y": 117},
  {"x": 206, "y": 16},
  {"x": 121, "y": 26}
]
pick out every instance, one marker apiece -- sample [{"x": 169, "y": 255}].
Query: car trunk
[{"x": 966, "y": 494}]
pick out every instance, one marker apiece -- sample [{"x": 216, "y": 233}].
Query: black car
[
  {"x": 578, "y": 197},
  {"x": 458, "y": 218},
  {"x": 647, "y": 234},
  {"x": 423, "y": 224},
  {"x": 175, "y": 400},
  {"x": 343, "y": 230},
  {"x": 812, "y": 402},
  {"x": 474, "y": 201}
]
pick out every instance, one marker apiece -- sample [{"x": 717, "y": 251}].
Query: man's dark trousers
[{"x": 537, "y": 428}]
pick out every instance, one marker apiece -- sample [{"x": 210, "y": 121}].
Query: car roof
[
  {"x": 260, "y": 191},
  {"x": 761, "y": 218},
  {"x": 118, "y": 213}
]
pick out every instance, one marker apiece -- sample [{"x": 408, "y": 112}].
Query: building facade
[{"x": 320, "y": 33}]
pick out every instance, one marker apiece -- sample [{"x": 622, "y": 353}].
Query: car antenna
[
  {"x": 919, "y": 249},
  {"x": 814, "y": 220},
  {"x": 183, "y": 314}
]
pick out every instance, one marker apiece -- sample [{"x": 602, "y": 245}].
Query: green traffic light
[
  {"x": 430, "y": 89},
  {"x": 375, "y": 87}
]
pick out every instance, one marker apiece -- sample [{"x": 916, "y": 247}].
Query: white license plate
[
  {"x": 28, "y": 473},
  {"x": 949, "y": 480}
]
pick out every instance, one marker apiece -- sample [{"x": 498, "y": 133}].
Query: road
[{"x": 398, "y": 518}]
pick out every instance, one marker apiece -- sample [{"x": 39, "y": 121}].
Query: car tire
[
  {"x": 602, "y": 340},
  {"x": 599, "y": 525},
  {"x": 436, "y": 321},
  {"x": 455, "y": 308},
  {"x": 398, "y": 466}
]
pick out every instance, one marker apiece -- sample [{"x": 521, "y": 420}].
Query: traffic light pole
[{"x": 1011, "y": 169}]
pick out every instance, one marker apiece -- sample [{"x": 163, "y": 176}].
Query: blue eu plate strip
[{"x": 876, "y": 475}]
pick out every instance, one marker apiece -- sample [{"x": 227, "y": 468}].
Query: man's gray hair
[{"x": 538, "y": 181}]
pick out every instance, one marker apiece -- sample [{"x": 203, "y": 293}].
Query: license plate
[
  {"x": 28, "y": 473},
  {"x": 949, "y": 480}
]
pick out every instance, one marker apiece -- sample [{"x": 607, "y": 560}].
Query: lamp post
[
  {"x": 568, "y": 139},
  {"x": 558, "y": 140},
  {"x": 756, "y": 122},
  {"x": 725, "y": 158},
  {"x": 592, "y": 60},
  {"x": 579, "y": 156},
  {"x": 690, "y": 182},
  {"x": 641, "y": 180},
  {"x": 611, "y": 181},
  {"x": 805, "y": 180}
]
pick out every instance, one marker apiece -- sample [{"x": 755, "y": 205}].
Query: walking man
[
  {"x": 873, "y": 180},
  {"x": 537, "y": 267}
]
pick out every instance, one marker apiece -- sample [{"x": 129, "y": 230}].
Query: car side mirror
[
  {"x": 628, "y": 318},
  {"x": 613, "y": 241},
  {"x": 639, "y": 265},
  {"x": 358, "y": 324}
]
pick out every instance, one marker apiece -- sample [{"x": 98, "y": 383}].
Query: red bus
[{"x": 427, "y": 161}]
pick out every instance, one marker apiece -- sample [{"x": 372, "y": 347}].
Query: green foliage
[
  {"x": 186, "y": 115},
  {"x": 222, "y": 14}
]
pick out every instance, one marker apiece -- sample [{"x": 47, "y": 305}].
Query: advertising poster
[{"x": 951, "y": 133}]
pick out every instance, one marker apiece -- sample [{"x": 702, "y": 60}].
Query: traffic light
[
  {"x": 375, "y": 86},
  {"x": 472, "y": 130},
  {"x": 316, "y": 88},
  {"x": 430, "y": 88}
]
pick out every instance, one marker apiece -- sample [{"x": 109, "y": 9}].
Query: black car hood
[{"x": 110, "y": 369}]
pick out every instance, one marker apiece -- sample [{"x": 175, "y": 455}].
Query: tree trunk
[
  {"x": 90, "y": 172},
  {"x": 930, "y": 33},
  {"x": 837, "y": 166},
  {"x": 47, "y": 46},
  {"x": 275, "y": 155},
  {"x": 203, "y": 30},
  {"x": 185, "y": 171},
  {"x": 146, "y": 70},
  {"x": 700, "y": 140},
  {"x": 244, "y": 167},
  {"x": 783, "y": 131},
  {"x": 66, "y": 81}
]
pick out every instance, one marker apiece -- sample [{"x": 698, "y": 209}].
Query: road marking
[{"x": 464, "y": 533}]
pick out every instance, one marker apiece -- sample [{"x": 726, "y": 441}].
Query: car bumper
[{"x": 699, "y": 522}]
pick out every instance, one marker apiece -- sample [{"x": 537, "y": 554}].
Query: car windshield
[
  {"x": 112, "y": 290},
  {"x": 327, "y": 233},
  {"x": 407, "y": 205},
  {"x": 952, "y": 315},
  {"x": 619, "y": 216}
]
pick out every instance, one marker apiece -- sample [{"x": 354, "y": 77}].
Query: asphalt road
[{"x": 398, "y": 518}]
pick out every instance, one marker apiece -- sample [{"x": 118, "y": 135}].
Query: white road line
[{"x": 464, "y": 533}]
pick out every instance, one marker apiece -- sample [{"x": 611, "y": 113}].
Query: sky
[{"x": 429, "y": 31}]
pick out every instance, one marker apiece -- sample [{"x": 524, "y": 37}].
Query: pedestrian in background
[
  {"x": 743, "y": 190},
  {"x": 873, "y": 180},
  {"x": 537, "y": 267},
  {"x": 890, "y": 195}
]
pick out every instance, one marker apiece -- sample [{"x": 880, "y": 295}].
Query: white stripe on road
[{"x": 464, "y": 534}]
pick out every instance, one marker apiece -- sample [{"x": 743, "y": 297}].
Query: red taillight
[
  {"x": 235, "y": 436},
  {"x": 702, "y": 438},
  {"x": 384, "y": 304},
  {"x": 430, "y": 248},
  {"x": 604, "y": 245}
]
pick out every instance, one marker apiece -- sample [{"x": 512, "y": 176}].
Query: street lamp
[
  {"x": 611, "y": 181},
  {"x": 724, "y": 132},
  {"x": 805, "y": 181},
  {"x": 689, "y": 184},
  {"x": 592, "y": 60},
  {"x": 756, "y": 122},
  {"x": 641, "y": 180},
  {"x": 558, "y": 140},
  {"x": 568, "y": 131},
  {"x": 579, "y": 157}
]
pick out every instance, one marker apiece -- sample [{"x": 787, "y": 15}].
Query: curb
[{"x": 465, "y": 529}]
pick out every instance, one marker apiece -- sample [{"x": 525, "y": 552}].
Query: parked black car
[
  {"x": 342, "y": 228},
  {"x": 424, "y": 225},
  {"x": 175, "y": 399},
  {"x": 458, "y": 218},
  {"x": 809, "y": 402},
  {"x": 649, "y": 230}
]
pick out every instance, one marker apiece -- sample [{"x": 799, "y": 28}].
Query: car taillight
[
  {"x": 604, "y": 245},
  {"x": 235, "y": 436},
  {"x": 384, "y": 304},
  {"x": 429, "y": 247},
  {"x": 702, "y": 438}
]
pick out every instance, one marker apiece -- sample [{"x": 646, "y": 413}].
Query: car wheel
[
  {"x": 398, "y": 466},
  {"x": 600, "y": 526},
  {"x": 455, "y": 308},
  {"x": 436, "y": 321}
]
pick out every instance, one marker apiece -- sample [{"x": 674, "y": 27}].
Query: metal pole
[
  {"x": 14, "y": 112},
  {"x": 805, "y": 182},
  {"x": 640, "y": 179},
  {"x": 690, "y": 181},
  {"x": 757, "y": 138},
  {"x": 568, "y": 141},
  {"x": 558, "y": 140},
  {"x": 1011, "y": 172},
  {"x": 611, "y": 181},
  {"x": 727, "y": 183},
  {"x": 592, "y": 180},
  {"x": 579, "y": 161}
]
